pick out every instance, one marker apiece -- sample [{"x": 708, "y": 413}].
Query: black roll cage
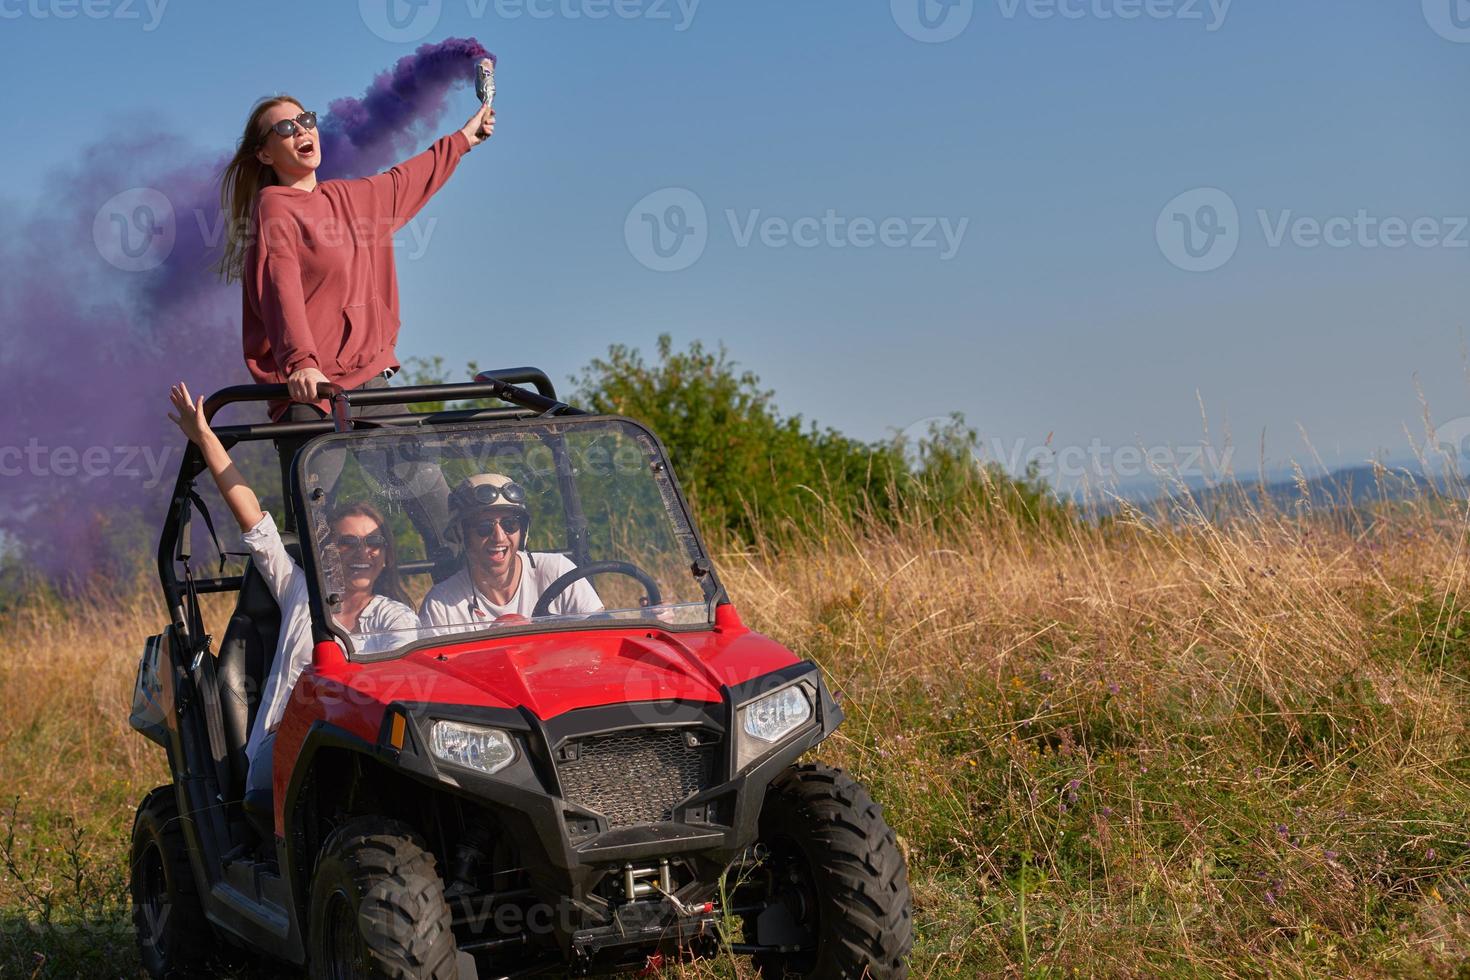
[{"x": 174, "y": 544}]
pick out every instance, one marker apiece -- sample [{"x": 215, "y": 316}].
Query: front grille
[{"x": 638, "y": 776}]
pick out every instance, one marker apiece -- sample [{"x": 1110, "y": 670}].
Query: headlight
[
  {"x": 486, "y": 750},
  {"x": 768, "y": 720},
  {"x": 777, "y": 715}
]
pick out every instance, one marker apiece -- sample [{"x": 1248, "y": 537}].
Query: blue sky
[{"x": 1047, "y": 137}]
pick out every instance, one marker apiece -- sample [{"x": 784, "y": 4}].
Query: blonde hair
[{"x": 241, "y": 181}]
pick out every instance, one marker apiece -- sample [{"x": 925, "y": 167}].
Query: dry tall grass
[{"x": 1124, "y": 748}]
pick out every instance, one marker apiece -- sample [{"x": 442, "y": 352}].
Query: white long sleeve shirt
[{"x": 379, "y": 627}]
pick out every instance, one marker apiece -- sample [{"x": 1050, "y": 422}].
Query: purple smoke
[
  {"x": 367, "y": 135},
  {"x": 109, "y": 297}
]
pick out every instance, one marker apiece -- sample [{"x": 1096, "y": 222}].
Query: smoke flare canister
[{"x": 485, "y": 80}]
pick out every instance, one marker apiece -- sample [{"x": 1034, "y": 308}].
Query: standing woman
[{"x": 315, "y": 260}]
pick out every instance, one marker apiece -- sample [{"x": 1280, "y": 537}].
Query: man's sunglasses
[
  {"x": 510, "y": 525},
  {"x": 351, "y": 542},
  {"x": 288, "y": 127}
]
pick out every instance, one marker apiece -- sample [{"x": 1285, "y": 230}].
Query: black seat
[{"x": 244, "y": 663}]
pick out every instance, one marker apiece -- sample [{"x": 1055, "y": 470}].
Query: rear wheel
[
  {"x": 173, "y": 936},
  {"x": 377, "y": 907},
  {"x": 834, "y": 885}
]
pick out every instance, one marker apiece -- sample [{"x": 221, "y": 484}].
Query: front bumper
[{"x": 568, "y": 848}]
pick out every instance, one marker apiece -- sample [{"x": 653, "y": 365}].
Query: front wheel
[
  {"x": 377, "y": 907},
  {"x": 833, "y": 883}
]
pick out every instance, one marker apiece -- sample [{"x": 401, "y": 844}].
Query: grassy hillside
[{"x": 1117, "y": 750}]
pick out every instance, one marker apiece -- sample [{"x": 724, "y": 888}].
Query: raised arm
[
  {"x": 232, "y": 486},
  {"x": 399, "y": 194}
]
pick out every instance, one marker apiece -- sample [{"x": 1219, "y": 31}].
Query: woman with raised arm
[
  {"x": 374, "y": 610},
  {"x": 315, "y": 262}
]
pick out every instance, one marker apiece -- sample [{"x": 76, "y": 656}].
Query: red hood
[{"x": 554, "y": 673}]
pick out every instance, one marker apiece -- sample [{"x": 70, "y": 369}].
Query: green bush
[
  {"x": 745, "y": 466},
  {"x": 741, "y": 463}
]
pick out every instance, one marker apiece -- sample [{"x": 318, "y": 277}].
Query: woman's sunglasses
[
  {"x": 289, "y": 127},
  {"x": 510, "y": 525},
  {"x": 351, "y": 542}
]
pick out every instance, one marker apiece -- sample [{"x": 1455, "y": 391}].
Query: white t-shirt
[
  {"x": 455, "y": 605},
  {"x": 378, "y": 629}
]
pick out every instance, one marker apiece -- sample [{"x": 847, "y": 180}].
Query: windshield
[{"x": 445, "y": 532}]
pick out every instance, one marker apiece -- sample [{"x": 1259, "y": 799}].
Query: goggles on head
[{"x": 487, "y": 495}]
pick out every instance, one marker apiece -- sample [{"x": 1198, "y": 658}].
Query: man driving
[{"x": 500, "y": 578}]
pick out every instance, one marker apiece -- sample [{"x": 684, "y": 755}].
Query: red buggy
[{"x": 573, "y": 794}]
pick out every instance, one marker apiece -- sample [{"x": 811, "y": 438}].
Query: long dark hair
[
  {"x": 387, "y": 584},
  {"x": 240, "y": 182}
]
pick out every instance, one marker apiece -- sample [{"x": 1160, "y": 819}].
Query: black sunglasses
[
  {"x": 288, "y": 127},
  {"x": 351, "y": 542},
  {"x": 510, "y": 525}
]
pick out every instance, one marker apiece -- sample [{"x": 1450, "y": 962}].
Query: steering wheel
[{"x": 555, "y": 589}]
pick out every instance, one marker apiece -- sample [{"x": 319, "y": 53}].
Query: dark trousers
[{"x": 428, "y": 510}]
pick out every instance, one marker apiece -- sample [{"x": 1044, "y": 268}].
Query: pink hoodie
[{"x": 320, "y": 288}]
